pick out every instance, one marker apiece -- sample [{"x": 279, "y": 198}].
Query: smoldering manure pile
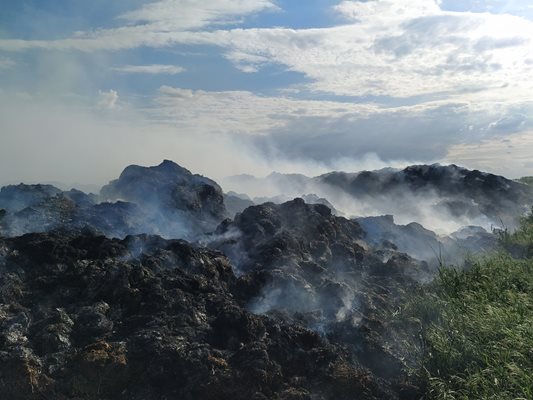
[{"x": 154, "y": 290}]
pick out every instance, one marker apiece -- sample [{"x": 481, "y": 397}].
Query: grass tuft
[{"x": 477, "y": 325}]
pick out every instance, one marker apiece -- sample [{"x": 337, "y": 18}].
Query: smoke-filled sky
[{"x": 231, "y": 86}]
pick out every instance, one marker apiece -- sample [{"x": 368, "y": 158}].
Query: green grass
[
  {"x": 520, "y": 243},
  {"x": 476, "y": 326},
  {"x": 528, "y": 180}
]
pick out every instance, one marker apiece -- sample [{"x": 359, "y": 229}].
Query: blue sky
[{"x": 258, "y": 85}]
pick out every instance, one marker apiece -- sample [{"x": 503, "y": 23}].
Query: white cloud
[
  {"x": 514, "y": 7},
  {"x": 247, "y": 62},
  {"x": 324, "y": 133},
  {"x": 7, "y": 63},
  {"x": 155, "y": 24},
  {"x": 229, "y": 132},
  {"x": 509, "y": 156},
  {"x": 241, "y": 112},
  {"x": 41, "y": 136},
  {"x": 469, "y": 73},
  {"x": 108, "y": 100},
  {"x": 437, "y": 54},
  {"x": 191, "y": 14},
  {"x": 420, "y": 50},
  {"x": 153, "y": 69},
  {"x": 386, "y": 9},
  {"x": 391, "y": 48}
]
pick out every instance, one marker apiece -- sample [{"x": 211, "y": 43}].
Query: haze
[{"x": 231, "y": 86}]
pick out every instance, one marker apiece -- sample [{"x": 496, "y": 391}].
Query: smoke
[
  {"x": 149, "y": 209},
  {"x": 56, "y": 119},
  {"x": 33, "y": 209},
  {"x": 436, "y": 214},
  {"x": 232, "y": 235},
  {"x": 427, "y": 208},
  {"x": 301, "y": 262},
  {"x": 17, "y": 198},
  {"x": 319, "y": 306},
  {"x": 3, "y": 252},
  {"x": 40, "y": 137}
]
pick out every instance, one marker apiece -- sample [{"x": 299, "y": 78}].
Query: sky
[{"x": 252, "y": 86}]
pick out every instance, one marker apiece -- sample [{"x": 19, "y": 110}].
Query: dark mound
[
  {"x": 298, "y": 314},
  {"x": 236, "y": 203},
  {"x": 423, "y": 244},
  {"x": 446, "y": 192},
  {"x": 14, "y": 198},
  {"x": 172, "y": 195},
  {"x": 72, "y": 210},
  {"x": 459, "y": 191},
  {"x": 301, "y": 263},
  {"x": 86, "y": 317},
  {"x": 166, "y": 200}
]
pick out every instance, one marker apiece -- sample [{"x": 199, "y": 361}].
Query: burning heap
[{"x": 285, "y": 301}]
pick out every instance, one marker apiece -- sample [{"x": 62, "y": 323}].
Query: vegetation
[
  {"x": 520, "y": 243},
  {"x": 476, "y": 326},
  {"x": 528, "y": 180}
]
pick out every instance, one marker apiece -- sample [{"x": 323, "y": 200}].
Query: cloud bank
[
  {"x": 149, "y": 69},
  {"x": 387, "y": 81}
]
